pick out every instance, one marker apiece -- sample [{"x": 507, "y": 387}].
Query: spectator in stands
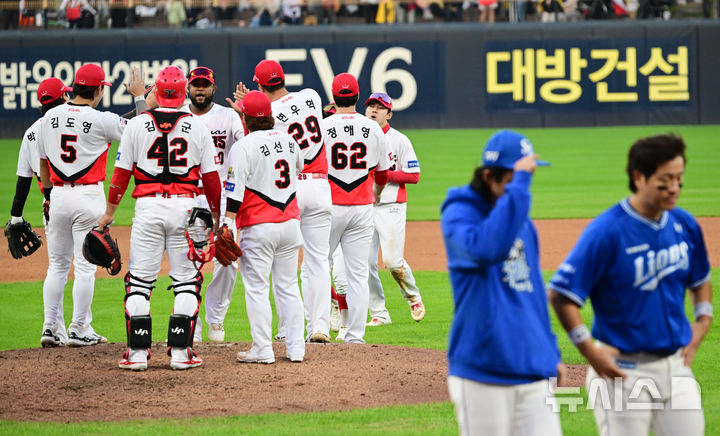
[
  {"x": 325, "y": 10},
  {"x": 78, "y": 13},
  {"x": 487, "y": 10},
  {"x": 118, "y": 13},
  {"x": 552, "y": 10},
  {"x": 176, "y": 13},
  {"x": 10, "y": 17},
  {"x": 291, "y": 12}
]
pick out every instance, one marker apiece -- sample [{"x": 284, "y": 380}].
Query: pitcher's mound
[{"x": 85, "y": 384}]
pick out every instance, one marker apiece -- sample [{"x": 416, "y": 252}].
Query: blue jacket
[{"x": 501, "y": 332}]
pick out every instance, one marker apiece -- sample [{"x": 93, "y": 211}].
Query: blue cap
[{"x": 505, "y": 148}]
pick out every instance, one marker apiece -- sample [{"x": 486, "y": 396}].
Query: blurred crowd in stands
[{"x": 47, "y": 14}]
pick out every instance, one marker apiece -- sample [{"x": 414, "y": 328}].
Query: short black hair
[
  {"x": 86, "y": 92},
  {"x": 647, "y": 154},
  {"x": 273, "y": 88},
  {"x": 55, "y": 103},
  {"x": 480, "y": 186},
  {"x": 345, "y": 101}
]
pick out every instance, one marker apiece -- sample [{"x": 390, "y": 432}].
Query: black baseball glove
[
  {"x": 22, "y": 240},
  {"x": 100, "y": 249}
]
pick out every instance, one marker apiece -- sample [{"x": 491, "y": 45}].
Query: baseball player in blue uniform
[
  {"x": 634, "y": 262},
  {"x": 502, "y": 351}
]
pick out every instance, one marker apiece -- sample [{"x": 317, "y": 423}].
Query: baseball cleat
[
  {"x": 251, "y": 356},
  {"x": 83, "y": 336},
  {"x": 417, "y": 311},
  {"x": 341, "y": 333},
  {"x": 375, "y": 322},
  {"x": 334, "y": 315},
  {"x": 296, "y": 359},
  {"x": 216, "y": 333},
  {"x": 184, "y": 358},
  {"x": 319, "y": 338},
  {"x": 49, "y": 339},
  {"x": 135, "y": 360}
]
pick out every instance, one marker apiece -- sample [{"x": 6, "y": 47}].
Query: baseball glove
[
  {"x": 22, "y": 240},
  {"x": 227, "y": 250},
  {"x": 100, "y": 249}
]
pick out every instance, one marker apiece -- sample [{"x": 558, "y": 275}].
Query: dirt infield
[
  {"x": 66, "y": 384},
  {"x": 424, "y": 249}
]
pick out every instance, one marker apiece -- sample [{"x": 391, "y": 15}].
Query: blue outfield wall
[{"x": 454, "y": 76}]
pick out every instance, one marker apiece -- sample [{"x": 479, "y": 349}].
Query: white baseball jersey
[
  {"x": 190, "y": 153},
  {"x": 263, "y": 172},
  {"x": 226, "y": 128},
  {"x": 402, "y": 157},
  {"x": 299, "y": 114},
  {"x": 356, "y": 147},
  {"x": 75, "y": 140},
  {"x": 29, "y": 157}
]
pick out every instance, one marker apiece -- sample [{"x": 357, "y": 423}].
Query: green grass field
[{"x": 586, "y": 177}]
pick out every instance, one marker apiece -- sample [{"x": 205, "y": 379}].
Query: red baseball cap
[
  {"x": 202, "y": 73},
  {"x": 345, "y": 85},
  {"x": 51, "y": 89},
  {"x": 256, "y": 104},
  {"x": 268, "y": 73},
  {"x": 381, "y": 98},
  {"x": 90, "y": 75}
]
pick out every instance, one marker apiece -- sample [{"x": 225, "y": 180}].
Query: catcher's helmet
[
  {"x": 171, "y": 87},
  {"x": 200, "y": 236}
]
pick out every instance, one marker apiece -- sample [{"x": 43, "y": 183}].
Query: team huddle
[{"x": 246, "y": 186}]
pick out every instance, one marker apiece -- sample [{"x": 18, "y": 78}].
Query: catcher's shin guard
[
  {"x": 138, "y": 326},
  {"x": 193, "y": 287},
  {"x": 180, "y": 330},
  {"x": 139, "y": 333}
]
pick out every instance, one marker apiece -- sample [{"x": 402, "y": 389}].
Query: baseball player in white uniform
[
  {"x": 168, "y": 151},
  {"x": 51, "y": 93},
  {"x": 74, "y": 139},
  {"x": 389, "y": 217},
  {"x": 262, "y": 200},
  {"x": 299, "y": 114},
  {"x": 225, "y": 128},
  {"x": 357, "y": 155}
]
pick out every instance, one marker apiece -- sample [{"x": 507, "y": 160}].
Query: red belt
[
  {"x": 305, "y": 176},
  {"x": 168, "y": 195}
]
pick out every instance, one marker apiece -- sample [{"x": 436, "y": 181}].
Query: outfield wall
[{"x": 461, "y": 75}]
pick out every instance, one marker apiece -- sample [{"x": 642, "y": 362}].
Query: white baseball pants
[
  {"x": 315, "y": 203},
  {"x": 487, "y": 410},
  {"x": 74, "y": 211},
  {"x": 158, "y": 227},
  {"x": 389, "y": 234},
  {"x": 272, "y": 248},
  {"x": 352, "y": 228},
  {"x": 659, "y": 394}
]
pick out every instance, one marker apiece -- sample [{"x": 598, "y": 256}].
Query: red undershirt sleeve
[
  {"x": 118, "y": 185},
  {"x": 403, "y": 177},
  {"x": 212, "y": 188},
  {"x": 381, "y": 177}
]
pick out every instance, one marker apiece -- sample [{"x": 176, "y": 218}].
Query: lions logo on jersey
[
  {"x": 654, "y": 266},
  {"x": 516, "y": 268}
]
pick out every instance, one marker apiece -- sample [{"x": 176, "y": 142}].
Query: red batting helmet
[{"x": 171, "y": 87}]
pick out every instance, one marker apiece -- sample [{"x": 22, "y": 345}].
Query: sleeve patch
[
  {"x": 118, "y": 156},
  {"x": 229, "y": 186},
  {"x": 413, "y": 164}
]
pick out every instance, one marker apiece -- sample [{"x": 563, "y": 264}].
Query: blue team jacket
[{"x": 500, "y": 332}]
